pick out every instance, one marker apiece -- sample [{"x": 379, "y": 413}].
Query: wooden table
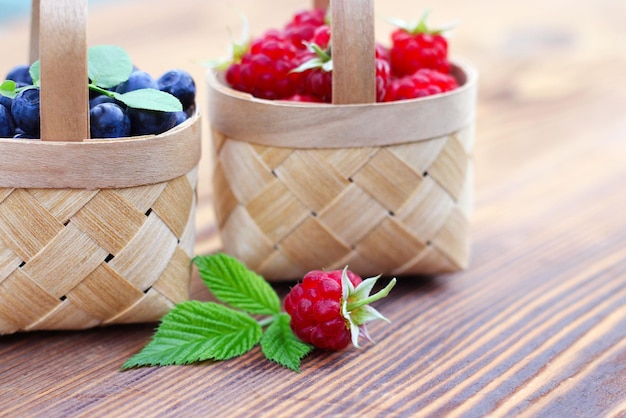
[{"x": 535, "y": 327}]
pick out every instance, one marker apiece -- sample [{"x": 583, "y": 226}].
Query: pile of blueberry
[{"x": 109, "y": 118}]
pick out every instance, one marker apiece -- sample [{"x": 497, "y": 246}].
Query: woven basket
[
  {"x": 385, "y": 188},
  {"x": 92, "y": 232}
]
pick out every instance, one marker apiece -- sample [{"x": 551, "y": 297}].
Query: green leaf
[
  {"x": 280, "y": 344},
  {"x": 233, "y": 283},
  {"x": 150, "y": 99},
  {"x": 108, "y": 65},
  {"x": 7, "y": 88},
  {"x": 197, "y": 331},
  {"x": 34, "y": 72}
]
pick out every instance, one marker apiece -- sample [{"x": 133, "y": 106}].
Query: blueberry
[
  {"x": 25, "y": 111},
  {"x": 20, "y": 74},
  {"x": 6, "y": 102},
  {"x": 7, "y": 127},
  {"x": 180, "y": 84},
  {"x": 181, "y": 117},
  {"x": 103, "y": 98},
  {"x": 19, "y": 134},
  {"x": 138, "y": 80},
  {"x": 108, "y": 120},
  {"x": 146, "y": 122}
]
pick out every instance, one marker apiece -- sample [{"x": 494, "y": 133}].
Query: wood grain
[
  {"x": 63, "y": 48},
  {"x": 353, "y": 43},
  {"x": 536, "y": 327}
]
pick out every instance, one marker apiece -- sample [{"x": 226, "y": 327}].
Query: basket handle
[
  {"x": 353, "y": 50},
  {"x": 59, "y": 34}
]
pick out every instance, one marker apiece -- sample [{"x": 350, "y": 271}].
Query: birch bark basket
[
  {"x": 92, "y": 232},
  {"x": 385, "y": 188}
]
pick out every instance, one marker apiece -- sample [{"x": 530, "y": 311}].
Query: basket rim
[
  {"x": 288, "y": 124},
  {"x": 102, "y": 163}
]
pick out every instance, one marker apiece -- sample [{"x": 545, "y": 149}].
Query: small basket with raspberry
[
  {"x": 94, "y": 231},
  {"x": 332, "y": 149}
]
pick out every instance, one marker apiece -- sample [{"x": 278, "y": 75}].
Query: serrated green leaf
[
  {"x": 108, "y": 65},
  {"x": 197, "y": 331},
  {"x": 34, "y": 72},
  {"x": 7, "y": 88},
  {"x": 233, "y": 283},
  {"x": 281, "y": 345},
  {"x": 150, "y": 99}
]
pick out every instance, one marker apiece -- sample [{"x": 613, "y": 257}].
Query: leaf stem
[
  {"x": 101, "y": 90},
  {"x": 377, "y": 296},
  {"x": 266, "y": 321}
]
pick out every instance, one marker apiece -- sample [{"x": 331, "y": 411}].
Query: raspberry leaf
[
  {"x": 108, "y": 65},
  {"x": 196, "y": 331},
  {"x": 150, "y": 99},
  {"x": 233, "y": 283},
  {"x": 281, "y": 345}
]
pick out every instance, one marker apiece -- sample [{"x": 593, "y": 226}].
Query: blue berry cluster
[{"x": 109, "y": 118}]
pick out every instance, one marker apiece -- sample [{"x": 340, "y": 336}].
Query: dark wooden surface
[{"x": 535, "y": 327}]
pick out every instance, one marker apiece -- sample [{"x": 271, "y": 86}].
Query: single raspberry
[
  {"x": 382, "y": 52},
  {"x": 302, "y": 26},
  {"x": 416, "y": 46},
  {"x": 330, "y": 309},
  {"x": 321, "y": 36},
  {"x": 424, "y": 82},
  {"x": 265, "y": 71}
]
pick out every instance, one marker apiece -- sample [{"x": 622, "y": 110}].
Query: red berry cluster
[{"x": 289, "y": 63}]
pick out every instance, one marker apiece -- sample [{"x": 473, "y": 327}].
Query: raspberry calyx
[
  {"x": 420, "y": 27},
  {"x": 355, "y": 307}
]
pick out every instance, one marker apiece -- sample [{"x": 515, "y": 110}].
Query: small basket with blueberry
[{"x": 97, "y": 184}]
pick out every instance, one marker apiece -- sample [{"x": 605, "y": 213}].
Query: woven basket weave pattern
[
  {"x": 398, "y": 209},
  {"x": 75, "y": 258}
]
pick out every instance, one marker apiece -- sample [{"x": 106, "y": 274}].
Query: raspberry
[
  {"x": 295, "y": 63},
  {"x": 318, "y": 83},
  {"x": 321, "y": 36},
  {"x": 265, "y": 71},
  {"x": 416, "y": 46},
  {"x": 424, "y": 82},
  {"x": 329, "y": 309},
  {"x": 303, "y": 25}
]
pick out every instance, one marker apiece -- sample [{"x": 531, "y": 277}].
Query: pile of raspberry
[{"x": 289, "y": 63}]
